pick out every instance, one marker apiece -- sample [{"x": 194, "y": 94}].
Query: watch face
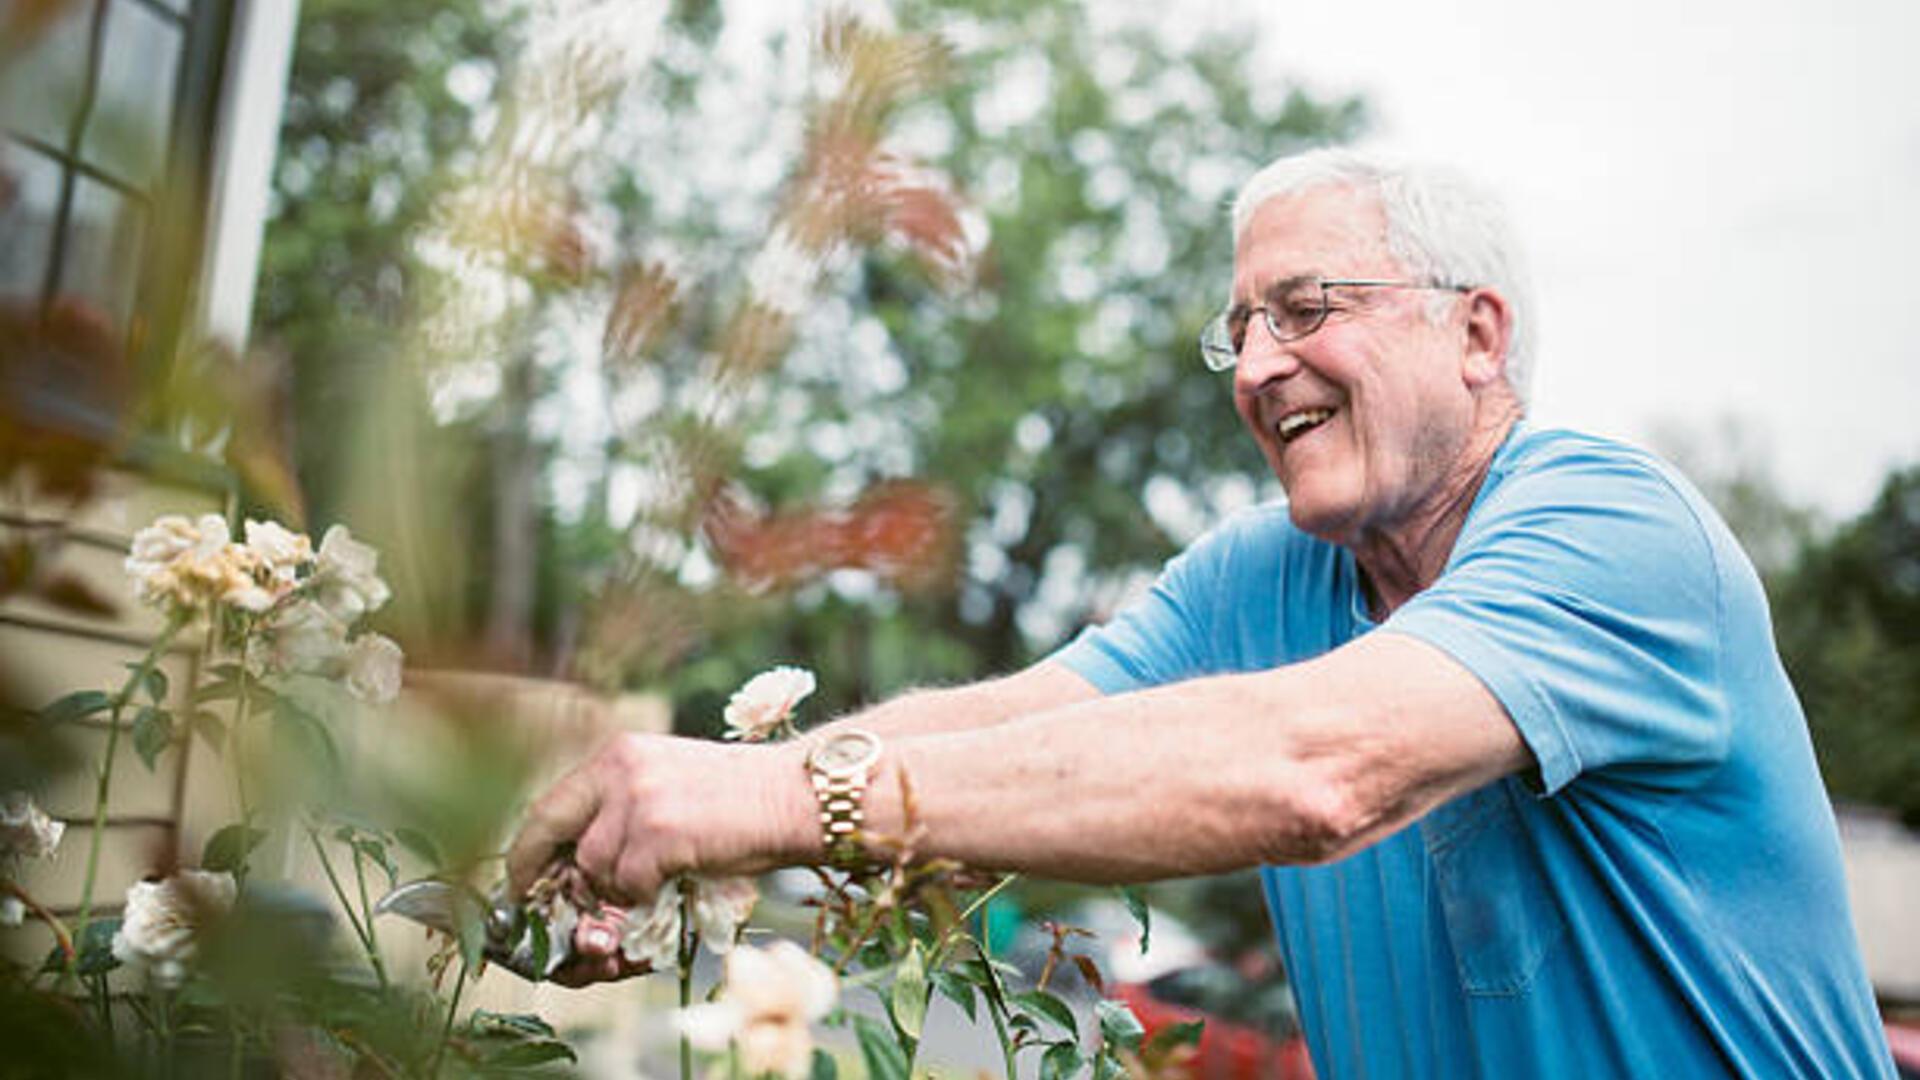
[{"x": 847, "y": 752}]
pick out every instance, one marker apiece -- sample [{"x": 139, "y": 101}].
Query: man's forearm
[{"x": 973, "y": 706}]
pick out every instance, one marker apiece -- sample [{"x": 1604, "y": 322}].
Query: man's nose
[{"x": 1263, "y": 360}]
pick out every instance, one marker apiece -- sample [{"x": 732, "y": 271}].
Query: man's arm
[
  {"x": 741, "y": 798},
  {"x": 1303, "y": 763},
  {"x": 1036, "y": 689}
]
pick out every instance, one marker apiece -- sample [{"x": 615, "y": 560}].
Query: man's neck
[{"x": 1397, "y": 564}]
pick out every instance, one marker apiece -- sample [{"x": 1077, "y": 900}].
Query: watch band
[{"x": 840, "y": 769}]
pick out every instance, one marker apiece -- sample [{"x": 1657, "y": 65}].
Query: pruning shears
[{"x": 512, "y": 937}]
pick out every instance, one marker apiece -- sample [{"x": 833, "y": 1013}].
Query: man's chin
[{"x": 1314, "y": 514}]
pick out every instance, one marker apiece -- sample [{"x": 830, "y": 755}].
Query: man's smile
[{"x": 1298, "y": 422}]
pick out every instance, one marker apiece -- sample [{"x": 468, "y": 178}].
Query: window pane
[
  {"x": 41, "y": 89},
  {"x": 29, "y": 194},
  {"x": 127, "y": 135},
  {"x": 104, "y": 240}
]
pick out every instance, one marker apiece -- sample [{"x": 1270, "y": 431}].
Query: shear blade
[{"x": 431, "y": 903}]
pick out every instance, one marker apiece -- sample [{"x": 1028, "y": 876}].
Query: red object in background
[
  {"x": 1227, "y": 1051},
  {"x": 1904, "y": 1041},
  {"x": 901, "y": 530}
]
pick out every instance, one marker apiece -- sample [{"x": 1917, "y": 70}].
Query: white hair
[{"x": 1442, "y": 226}]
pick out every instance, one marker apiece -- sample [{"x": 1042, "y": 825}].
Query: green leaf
[
  {"x": 94, "y": 947},
  {"x": 1137, "y": 907},
  {"x": 1185, "y": 1033},
  {"x": 528, "y": 1054},
  {"x": 76, "y": 706},
  {"x": 470, "y": 926},
  {"x": 1107, "y": 1067},
  {"x": 1049, "y": 1006},
  {"x": 152, "y": 733},
  {"x": 376, "y": 850},
  {"x": 824, "y": 1067},
  {"x": 959, "y": 990},
  {"x": 983, "y": 975},
  {"x": 1061, "y": 1061},
  {"x": 156, "y": 685},
  {"x": 228, "y": 848},
  {"x": 910, "y": 992},
  {"x": 542, "y": 943},
  {"x": 213, "y": 730},
  {"x": 296, "y": 724},
  {"x": 526, "y": 1024},
  {"x": 1118, "y": 1026},
  {"x": 420, "y": 844},
  {"x": 885, "y": 1060}
]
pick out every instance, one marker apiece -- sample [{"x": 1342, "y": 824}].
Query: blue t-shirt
[{"x": 1662, "y": 897}]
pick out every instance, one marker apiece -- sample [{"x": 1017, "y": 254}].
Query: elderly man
[{"x": 1497, "y": 709}]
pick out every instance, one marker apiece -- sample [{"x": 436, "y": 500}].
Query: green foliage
[{"x": 1847, "y": 615}]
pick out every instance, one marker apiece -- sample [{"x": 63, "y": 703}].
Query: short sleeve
[{"x": 1585, "y": 594}]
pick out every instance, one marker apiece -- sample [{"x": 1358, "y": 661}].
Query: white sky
[{"x": 1721, "y": 199}]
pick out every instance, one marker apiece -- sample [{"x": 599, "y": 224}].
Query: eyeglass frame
[{"x": 1218, "y": 324}]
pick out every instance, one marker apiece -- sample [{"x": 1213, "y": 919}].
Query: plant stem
[
  {"x": 446, "y": 1029},
  {"x": 366, "y": 916},
  {"x": 1000, "y": 1029},
  {"x": 104, "y": 786},
  {"x": 688, "y": 944},
  {"x": 236, "y": 755},
  {"x": 340, "y": 894},
  {"x": 239, "y": 1037}
]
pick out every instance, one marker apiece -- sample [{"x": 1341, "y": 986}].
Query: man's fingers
[
  {"x": 560, "y": 816},
  {"x": 598, "y": 850}
]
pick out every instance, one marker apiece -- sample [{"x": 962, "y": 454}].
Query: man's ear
[{"x": 1488, "y": 335}]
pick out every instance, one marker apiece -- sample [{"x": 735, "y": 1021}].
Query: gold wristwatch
[{"x": 840, "y": 766}]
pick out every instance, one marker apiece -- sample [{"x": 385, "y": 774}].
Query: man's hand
[{"x": 644, "y": 809}]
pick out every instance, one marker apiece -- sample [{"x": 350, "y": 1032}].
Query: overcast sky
[{"x": 1722, "y": 199}]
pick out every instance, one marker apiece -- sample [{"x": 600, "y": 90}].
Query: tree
[
  {"x": 1848, "y": 619},
  {"x": 1061, "y": 402},
  {"x": 1053, "y": 408}
]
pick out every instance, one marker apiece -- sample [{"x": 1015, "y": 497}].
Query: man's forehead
[{"x": 1323, "y": 232}]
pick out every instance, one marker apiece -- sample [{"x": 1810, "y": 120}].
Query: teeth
[{"x": 1293, "y": 425}]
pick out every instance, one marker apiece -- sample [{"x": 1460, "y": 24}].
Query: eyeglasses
[{"x": 1294, "y": 309}]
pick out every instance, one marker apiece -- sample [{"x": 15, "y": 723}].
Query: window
[{"x": 108, "y": 120}]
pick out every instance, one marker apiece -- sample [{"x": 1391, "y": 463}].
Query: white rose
[
  {"x": 721, "y": 906},
  {"x": 159, "y": 552},
  {"x": 159, "y": 932},
  {"x": 653, "y": 935},
  {"x": 770, "y": 999},
  {"x": 301, "y": 636},
  {"x": 281, "y": 551},
  {"x": 373, "y": 668},
  {"x": 25, "y": 830},
  {"x": 12, "y": 911},
  {"x": 344, "y": 576},
  {"x": 766, "y": 701}
]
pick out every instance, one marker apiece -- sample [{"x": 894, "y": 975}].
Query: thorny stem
[
  {"x": 104, "y": 787},
  {"x": 60, "y": 935},
  {"x": 446, "y": 1029}
]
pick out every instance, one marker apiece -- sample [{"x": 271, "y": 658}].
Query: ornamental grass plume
[
  {"x": 160, "y": 933},
  {"x": 770, "y": 999}
]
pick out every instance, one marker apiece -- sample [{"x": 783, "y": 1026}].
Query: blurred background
[{"x": 655, "y": 343}]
